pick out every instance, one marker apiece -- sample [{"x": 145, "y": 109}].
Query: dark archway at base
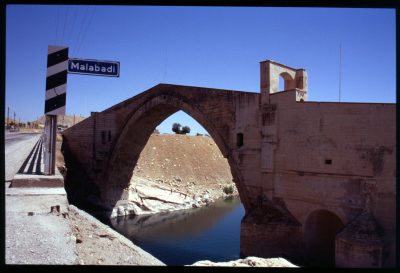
[{"x": 320, "y": 230}]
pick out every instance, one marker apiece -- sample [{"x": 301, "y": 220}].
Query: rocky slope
[
  {"x": 249, "y": 262},
  {"x": 176, "y": 172}
]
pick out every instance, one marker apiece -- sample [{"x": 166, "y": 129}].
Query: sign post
[
  {"x": 50, "y": 144},
  {"x": 56, "y": 87},
  {"x": 58, "y": 66}
]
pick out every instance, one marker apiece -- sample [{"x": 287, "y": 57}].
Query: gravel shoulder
[
  {"x": 98, "y": 244},
  {"x": 34, "y": 235}
]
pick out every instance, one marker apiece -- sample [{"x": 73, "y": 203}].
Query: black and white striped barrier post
[{"x": 56, "y": 87}]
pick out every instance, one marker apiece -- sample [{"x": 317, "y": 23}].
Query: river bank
[
  {"x": 95, "y": 242},
  {"x": 145, "y": 196},
  {"x": 36, "y": 234}
]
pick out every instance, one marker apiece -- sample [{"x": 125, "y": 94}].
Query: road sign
[
  {"x": 93, "y": 67},
  {"x": 56, "y": 80},
  {"x": 56, "y": 91}
]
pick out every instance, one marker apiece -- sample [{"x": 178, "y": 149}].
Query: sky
[{"x": 217, "y": 47}]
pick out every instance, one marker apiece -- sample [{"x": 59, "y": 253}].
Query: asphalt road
[
  {"x": 17, "y": 148},
  {"x": 15, "y": 137}
]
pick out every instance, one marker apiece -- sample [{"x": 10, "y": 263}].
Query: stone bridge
[{"x": 317, "y": 179}]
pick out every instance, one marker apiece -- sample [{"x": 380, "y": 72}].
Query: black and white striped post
[{"x": 56, "y": 87}]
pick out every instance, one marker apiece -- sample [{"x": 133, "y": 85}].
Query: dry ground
[{"x": 190, "y": 164}]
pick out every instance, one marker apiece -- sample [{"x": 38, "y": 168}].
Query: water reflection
[{"x": 184, "y": 237}]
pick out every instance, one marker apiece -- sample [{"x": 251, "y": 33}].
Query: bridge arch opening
[
  {"x": 137, "y": 130},
  {"x": 320, "y": 231}
]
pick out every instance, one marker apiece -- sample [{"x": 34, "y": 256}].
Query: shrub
[
  {"x": 176, "y": 128},
  {"x": 228, "y": 189},
  {"x": 185, "y": 130}
]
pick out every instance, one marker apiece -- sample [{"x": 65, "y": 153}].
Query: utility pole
[
  {"x": 340, "y": 69},
  {"x": 14, "y": 118},
  {"x": 8, "y": 115}
]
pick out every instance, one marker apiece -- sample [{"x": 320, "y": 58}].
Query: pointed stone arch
[{"x": 139, "y": 125}]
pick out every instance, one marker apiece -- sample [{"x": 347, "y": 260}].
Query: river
[{"x": 186, "y": 236}]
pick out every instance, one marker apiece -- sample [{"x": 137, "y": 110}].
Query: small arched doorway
[{"x": 320, "y": 230}]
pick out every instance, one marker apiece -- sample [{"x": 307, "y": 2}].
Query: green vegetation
[
  {"x": 176, "y": 128},
  {"x": 228, "y": 189}
]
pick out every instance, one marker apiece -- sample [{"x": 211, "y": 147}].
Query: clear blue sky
[{"x": 218, "y": 47}]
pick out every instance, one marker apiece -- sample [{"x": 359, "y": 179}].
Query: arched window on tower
[{"x": 285, "y": 81}]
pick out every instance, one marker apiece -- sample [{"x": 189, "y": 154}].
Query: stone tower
[{"x": 270, "y": 73}]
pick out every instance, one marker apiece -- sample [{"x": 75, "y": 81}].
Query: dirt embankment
[
  {"x": 191, "y": 164},
  {"x": 191, "y": 158},
  {"x": 176, "y": 172}
]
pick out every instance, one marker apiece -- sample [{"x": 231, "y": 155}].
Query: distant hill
[{"x": 64, "y": 120}]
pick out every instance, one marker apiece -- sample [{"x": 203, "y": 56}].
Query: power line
[
  {"x": 80, "y": 29},
  {"x": 340, "y": 69},
  {"x": 85, "y": 30},
  {"x": 72, "y": 28},
  {"x": 88, "y": 25},
  {"x": 65, "y": 23},
  {"x": 57, "y": 19}
]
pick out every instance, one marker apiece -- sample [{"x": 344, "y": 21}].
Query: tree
[
  {"x": 185, "y": 130},
  {"x": 176, "y": 128}
]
